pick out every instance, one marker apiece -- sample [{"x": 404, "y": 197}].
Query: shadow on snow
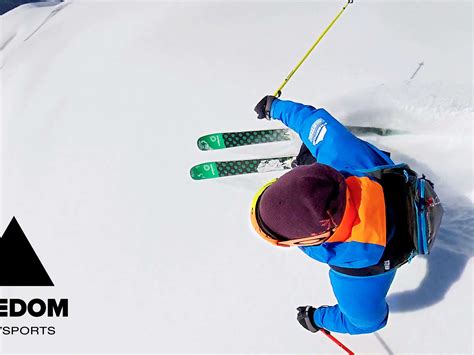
[{"x": 450, "y": 254}]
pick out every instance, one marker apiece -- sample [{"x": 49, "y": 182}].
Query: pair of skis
[{"x": 216, "y": 169}]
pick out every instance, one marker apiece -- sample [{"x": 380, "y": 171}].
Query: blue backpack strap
[{"x": 429, "y": 213}]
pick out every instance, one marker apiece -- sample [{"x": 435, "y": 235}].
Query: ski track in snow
[{"x": 52, "y": 13}]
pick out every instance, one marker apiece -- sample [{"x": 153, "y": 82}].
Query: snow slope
[{"x": 101, "y": 104}]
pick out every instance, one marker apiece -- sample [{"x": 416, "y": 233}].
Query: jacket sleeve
[
  {"x": 327, "y": 139},
  {"x": 361, "y": 307}
]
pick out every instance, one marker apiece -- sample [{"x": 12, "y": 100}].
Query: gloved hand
[
  {"x": 306, "y": 318},
  {"x": 264, "y": 106}
]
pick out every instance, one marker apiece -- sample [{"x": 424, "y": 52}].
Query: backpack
[{"x": 413, "y": 214}]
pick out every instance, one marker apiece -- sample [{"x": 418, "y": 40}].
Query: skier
[{"x": 335, "y": 213}]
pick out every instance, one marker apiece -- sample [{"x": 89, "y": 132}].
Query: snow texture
[
  {"x": 273, "y": 165},
  {"x": 101, "y": 105}
]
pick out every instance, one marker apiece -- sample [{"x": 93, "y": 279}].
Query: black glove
[
  {"x": 263, "y": 107},
  {"x": 306, "y": 318}
]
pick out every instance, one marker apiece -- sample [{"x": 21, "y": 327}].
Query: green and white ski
[
  {"x": 226, "y": 140},
  {"x": 237, "y": 139},
  {"x": 216, "y": 169}
]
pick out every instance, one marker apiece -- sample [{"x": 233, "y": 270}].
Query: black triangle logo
[{"x": 19, "y": 264}]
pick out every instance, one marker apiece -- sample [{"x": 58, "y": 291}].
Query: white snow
[
  {"x": 101, "y": 105},
  {"x": 273, "y": 165}
]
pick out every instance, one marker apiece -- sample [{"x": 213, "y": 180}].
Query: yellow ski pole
[{"x": 278, "y": 91}]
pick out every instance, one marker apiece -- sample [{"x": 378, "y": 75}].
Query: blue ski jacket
[{"x": 361, "y": 237}]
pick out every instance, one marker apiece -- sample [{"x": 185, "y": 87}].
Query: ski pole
[
  {"x": 278, "y": 91},
  {"x": 328, "y": 334}
]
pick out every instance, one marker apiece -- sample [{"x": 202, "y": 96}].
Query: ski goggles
[{"x": 272, "y": 237}]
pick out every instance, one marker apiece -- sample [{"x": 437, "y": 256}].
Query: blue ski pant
[{"x": 361, "y": 307}]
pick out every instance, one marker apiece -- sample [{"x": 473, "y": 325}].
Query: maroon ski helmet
[{"x": 307, "y": 200}]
